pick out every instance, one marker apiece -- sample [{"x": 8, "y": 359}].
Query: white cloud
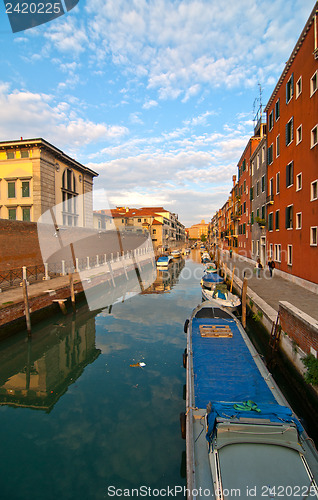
[
  {"x": 150, "y": 104},
  {"x": 27, "y": 114}
]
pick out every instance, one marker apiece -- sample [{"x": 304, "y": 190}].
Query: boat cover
[
  {"x": 224, "y": 369},
  {"x": 271, "y": 412},
  {"x": 212, "y": 278}
]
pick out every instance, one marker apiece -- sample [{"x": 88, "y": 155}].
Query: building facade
[
  {"x": 292, "y": 183},
  {"x": 36, "y": 176},
  {"x": 197, "y": 230}
]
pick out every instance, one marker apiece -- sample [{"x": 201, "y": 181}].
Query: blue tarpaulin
[{"x": 224, "y": 369}]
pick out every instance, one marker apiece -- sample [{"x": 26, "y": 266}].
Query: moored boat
[
  {"x": 222, "y": 297},
  {"x": 163, "y": 261},
  {"x": 209, "y": 280},
  {"x": 242, "y": 438},
  {"x": 211, "y": 268},
  {"x": 175, "y": 254}
]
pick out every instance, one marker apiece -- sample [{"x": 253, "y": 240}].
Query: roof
[
  {"x": 58, "y": 153},
  {"x": 294, "y": 53}
]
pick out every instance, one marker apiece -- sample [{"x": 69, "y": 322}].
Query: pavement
[{"x": 273, "y": 289}]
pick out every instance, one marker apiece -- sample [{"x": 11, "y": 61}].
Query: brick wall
[
  {"x": 19, "y": 244},
  {"x": 299, "y": 326}
]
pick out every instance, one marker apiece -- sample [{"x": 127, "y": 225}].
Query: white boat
[
  {"x": 211, "y": 268},
  {"x": 163, "y": 261},
  {"x": 222, "y": 297},
  {"x": 242, "y": 438},
  {"x": 175, "y": 254}
]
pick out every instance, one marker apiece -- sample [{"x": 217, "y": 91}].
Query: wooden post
[
  {"x": 232, "y": 279},
  {"x": 72, "y": 292},
  {"x": 26, "y": 306},
  {"x": 218, "y": 258},
  {"x": 244, "y": 288},
  {"x": 225, "y": 272}
]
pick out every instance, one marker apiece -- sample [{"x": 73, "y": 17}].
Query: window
[
  {"x": 299, "y": 134},
  {"x": 314, "y": 191},
  {"x": 277, "y": 253},
  {"x": 271, "y": 120},
  {"x": 11, "y": 190},
  {"x": 153, "y": 231},
  {"x": 271, "y": 186},
  {"x": 270, "y": 154},
  {"x": 244, "y": 207},
  {"x": 314, "y": 136},
  {"x": 252, "y": 168},
  {"x": 313, "y": 84},
  {"x": 10, "y": 155},
  {"x": 277, "y": 182},
  {"x": 263, "y": 212},
  {"x": 271, "y": 250},
  {"x": 277, "y": 146},
  {"x": 290, "y": 88},
  {"x": 263, "y": 154},
  {"x": 257, "y": 188},
  {"x": 257, "y": 248},
  {"x": 277, "y": 220},
  {"x": 313, "y": 236},
  {"x": 69, "y": 198},
  {"x": 12, "y": 214},
  {"x": 139, "y": 220},
  {"x": 263, "y": 183},
  {"x": 289, "y": 217},
  {"x": 270, "y": 221},
  {"x": 289, "y": 131},
  {"x": 252, "y": 217},
  {"x": 257, "y": 213},
  {"x": 289, "y": 255},
  {"x": 26, "y": 214},
  {"x": 244, "y": 188},
  {"x": 299, "y": 181},
  {"x": 298, "y": 87},
  {"x": 252, "y": 194},
  {"x": 290, "y": 174},
  {"x": 24, "y": 154},
  {"x": 298, "y": 220},
  {"x": 277, "y": 109},
  {"x": 244, "y": 166},
  {"x": 25, "y": 189}
]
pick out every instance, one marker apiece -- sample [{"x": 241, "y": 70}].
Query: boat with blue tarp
[
  {"x": 163, "y": 261},
  {"x": 209, "y": 280},
  {"x": 242, "y": 437},
  {"x": 221, "y": 295}
]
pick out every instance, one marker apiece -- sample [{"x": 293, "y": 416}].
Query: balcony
[{"x": 270, "y": 199}]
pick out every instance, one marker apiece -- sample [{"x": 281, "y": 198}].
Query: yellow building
[
  {"x": 35, "y": 176},
  {"x": 197, "y": 230}
]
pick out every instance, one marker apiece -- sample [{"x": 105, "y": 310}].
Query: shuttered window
[
  {"x": 289, "y": 217},
  {"x": 289, "y": 131},
  {"x": 290, "y": 174},
  {"x": 290, "y": 88}
]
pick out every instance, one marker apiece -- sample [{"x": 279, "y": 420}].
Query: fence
[{"x": 14, "y": 277}]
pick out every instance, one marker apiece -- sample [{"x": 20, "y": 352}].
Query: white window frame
[
  {"x": 289, "y": 255},
  {"x": 312, "y": 88},
  {"x": 312, "y": 132},
  {"x": 312, "y": 190},
  {"x": 312, "y": 243},
  {"x": 298, "y": 218},
  {"x": 278, "y": 183},
  {"x": 299, "y": 185},
  {"x": 271, "y": 120},
  {"x": 299, "y": 87},
  {"x": 290, "y": 79},
  {"x": 271, "y": 186},
  {"x": 277, "y": 105},
  {"x": 299, "y": 134},
  {"x": 274, "y": 221},
  {"x": 278, "y": 146},
  {"x": 291, "y": 130},
  {"x": 292, "y": 222},
  {"x": 271, "y": 250},
  {"x": 277, "y": 252}
]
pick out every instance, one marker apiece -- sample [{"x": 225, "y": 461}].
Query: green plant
[
  {"x": 257, "y": 316},
  {"x": 251, "y": 303},
  {"x": 294, "y": 346},
  {"x": 311, "y": 363}
]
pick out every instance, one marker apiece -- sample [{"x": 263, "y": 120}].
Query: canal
[
  {"x": 91, "y": 403},
  {"x": 76, "y": 418}
]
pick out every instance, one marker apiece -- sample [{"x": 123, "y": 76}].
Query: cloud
[
  {"x": 150, "y": 104},
  {"x": 27, "y": 114}
]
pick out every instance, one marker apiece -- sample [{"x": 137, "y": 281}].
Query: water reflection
[
  {"x": 36, "y": 372},
  {"x": 166, "y": 278}
]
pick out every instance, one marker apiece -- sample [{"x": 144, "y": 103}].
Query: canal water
[{"x": 77, "y": 421}]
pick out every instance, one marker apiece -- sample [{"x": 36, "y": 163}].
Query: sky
[{"x": 157, "y": 96}]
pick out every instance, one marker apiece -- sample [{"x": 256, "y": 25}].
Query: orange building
[
  {"x": 244, "y": 197},
  {"x": 197, "y": 230},
  {"x": 292, "y": 172}
]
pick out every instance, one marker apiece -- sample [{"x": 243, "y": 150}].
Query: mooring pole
[
  {"x": 72, "y": 292},
  {"x": 244, "y": 289},
  {"x": 232, "y": 279},
  {"x": 26, "y": 306}
]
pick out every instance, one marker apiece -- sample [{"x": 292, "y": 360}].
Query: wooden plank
[{"x": 215, "y": 331}]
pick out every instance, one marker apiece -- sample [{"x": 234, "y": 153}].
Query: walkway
[{"x": 272, "y": 290}]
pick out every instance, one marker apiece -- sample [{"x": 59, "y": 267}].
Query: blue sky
[{"x": 157, "y": 96}]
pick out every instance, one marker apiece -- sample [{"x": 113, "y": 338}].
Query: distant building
[
  {"x": 35, "y": 176},
  {"x": 197, "y": 230},
  {"x": 165, "y": 228},
  {"x": 292, "y": 142}
]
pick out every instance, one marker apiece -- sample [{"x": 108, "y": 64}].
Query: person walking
[
  {"x": 258, "y": 268},
  {"x": 271, "y": 266}
]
